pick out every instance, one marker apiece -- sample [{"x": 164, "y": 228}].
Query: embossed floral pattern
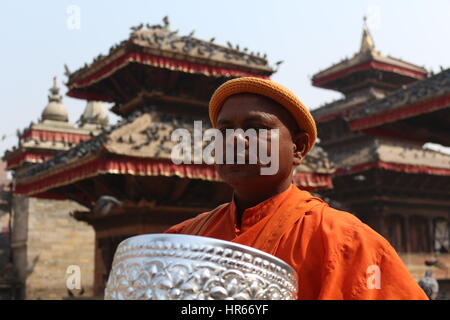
[{"x": 193, "y": 273}]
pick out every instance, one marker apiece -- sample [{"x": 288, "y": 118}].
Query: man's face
[{"x": 250, "y": 111}]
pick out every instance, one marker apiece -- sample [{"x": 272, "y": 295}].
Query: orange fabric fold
[
  {"x": 335, "y": 255},
  {"x": 267, "y": 233}
]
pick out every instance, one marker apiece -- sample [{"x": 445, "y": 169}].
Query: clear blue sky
[{"x": 307, "y": 35}]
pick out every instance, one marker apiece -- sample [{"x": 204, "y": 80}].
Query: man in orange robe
[{"x": 335, "y": 255}]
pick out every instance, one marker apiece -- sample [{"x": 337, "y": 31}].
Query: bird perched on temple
[
  {"x": 104, "y": 205},
  {"x": 171, "y": 34},
  {"x": 431, "y": 262},
  {"x": 67, "y": 72},
  {"x": 429, "y": 285},
  {"x": 139, "y": 27},
  {"x": 166, "y": 22},
  {"x": 278, "y": 63},
  {"x": 436, "y": 263}
]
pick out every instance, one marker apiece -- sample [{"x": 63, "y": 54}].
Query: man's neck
[{"x": 250, "y": 197}]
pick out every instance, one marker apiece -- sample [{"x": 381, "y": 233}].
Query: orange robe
[{"x": 336, "y": 256}]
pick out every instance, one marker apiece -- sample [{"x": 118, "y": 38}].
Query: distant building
[
  {"x": 45, "y": 239},
  {"x": 9, "y": 289},
  {"x": 375, "y": 136}
]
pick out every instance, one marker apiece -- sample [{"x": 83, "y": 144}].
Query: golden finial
[{"x": 367, "y": 43}]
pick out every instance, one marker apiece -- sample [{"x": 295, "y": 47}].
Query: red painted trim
[
  {"x": 120, "y": 165},
  {"x": 46, "y": 135},
  {"x": 156, "y": 61},
  {"x": 328, "y": 117},
  {"x": 407, "y": 111},
  {"x": 408, "y": 168},
  {"x": 313, "y": 181},
  {"x": 144, "y": 167},
  {"x": 32, "y": 157},
  {"x": 318, "y": 82}
]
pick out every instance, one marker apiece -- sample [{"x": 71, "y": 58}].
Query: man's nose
[
  {"x": 236, "y": 138},
  {"x": 239, "y": 137}
]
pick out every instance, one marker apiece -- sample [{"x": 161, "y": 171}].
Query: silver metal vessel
[{"x": 173, "y": 266}]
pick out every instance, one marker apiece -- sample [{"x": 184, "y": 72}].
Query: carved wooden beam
[
  {"x": 179, "y": 189},
  {"x": 118, "y": 88},
  {"x": 105, "y": 187}
]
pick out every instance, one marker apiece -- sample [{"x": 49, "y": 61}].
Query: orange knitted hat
[{"x": 269, "y": 89}]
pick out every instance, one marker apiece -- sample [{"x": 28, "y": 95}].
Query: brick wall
[
  {"x": 46, "y": 241},
  {"x": 2, "y": 172}
]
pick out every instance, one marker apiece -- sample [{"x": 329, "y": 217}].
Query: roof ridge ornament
[
  {"x": 55, "y": 109},
  {"x": 54, "y": 90},
  {"x": 367, "y": 43},
  {"x": 161, "y": 37},
  {"x": 166, "y": 22}
]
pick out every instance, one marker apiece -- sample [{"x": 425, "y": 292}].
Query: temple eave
[
  {"x": 206, "y": 67},
  {"x": 392, "y": 166},
  {"x": 323, "y": 79},
  {"x": 117, "y": 165},
  {"x": 396, "y": 114}
]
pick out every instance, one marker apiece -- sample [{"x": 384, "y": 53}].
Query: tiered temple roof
[
  {"x": 420, "y": 112},
  {"x": 391, "y": 154},
  {"x": 375, "y": 136},
  {"x": 367, "y": 76},
  {"x": 159, "y": 48},
  {"x": 53, "y": 133},
  {"x": 369, "y": 59}
]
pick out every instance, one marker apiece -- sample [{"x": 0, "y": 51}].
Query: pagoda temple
[
  {"x": 158, "y": 81},
  {"x": 53, "y": 133},
  {"x": 43, "y": 234},
  {"x": 375, "y": 135}
]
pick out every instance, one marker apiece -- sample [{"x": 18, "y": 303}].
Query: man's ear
[{"x": 301, "y": 142}]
